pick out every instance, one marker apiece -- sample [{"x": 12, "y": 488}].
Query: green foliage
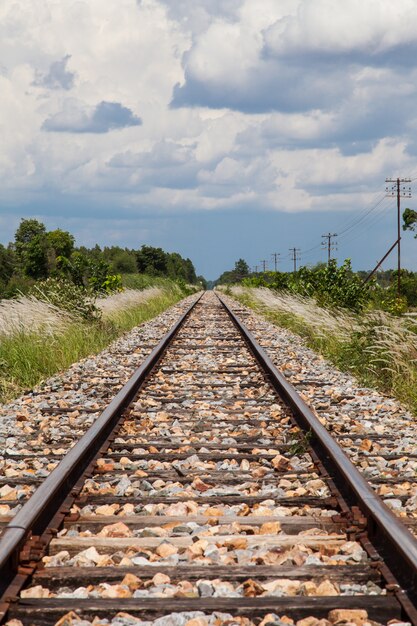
[
  {"x": 333, "y": 286},
  {"x": 408, "y": 286},
  {"x": 273, "y": 280},
  {"x": 6, "y": 265},
  {"x": 151, "y": 261},
  {"x": 156, "y": 262},
  {"x": 121, "y": 260},
  {"x": 385, "y": 297},
  {"x": 410, "y": 220},
  {"x": 329, "y": 285},
  {"x": 68, "y": 296},
  {"x": 202, "y": 282},
  {"x": 112, "y": 283},
  {"x": 37, "y": 255},
  {"x": 37, "y": 250},
  {"x": 89, "y": 273},
  {"x": 239, "y": 273},
  {"x": 301, "y": 442},
  {"x": 61, "y": 242},
  {"x": 16, "y": 286},
  {"x": 390, "y": 302},
  {"x": 27, "y": 230},
  {"x": 142, "y": 281},
  {"x": 60, "y": 245},
  {"x": 31, "y": 247}
]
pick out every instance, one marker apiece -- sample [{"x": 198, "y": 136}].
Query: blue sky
[{"x": 220, "y": 129}]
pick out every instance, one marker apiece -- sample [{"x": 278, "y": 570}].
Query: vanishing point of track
[{"x": 207, "y": 485}]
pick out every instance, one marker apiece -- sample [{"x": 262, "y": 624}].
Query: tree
[
  {"x": 60, "y": 244},
  {"x": 152, "y": 260},
  {"x": 6, "y": 265},
  {"x": 410, "y": 220},
  {"x": 241, "y": 269},
  {"x": 31, "y": 246},
  {"x": 124, "y": 262},
  {"x": 191, "y": 276}
]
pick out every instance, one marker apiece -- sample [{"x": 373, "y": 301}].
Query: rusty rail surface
[
  {"x": 38, "y": 512},
  {"x": 391, "y": 538}
]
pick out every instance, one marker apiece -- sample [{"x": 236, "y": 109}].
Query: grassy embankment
[
  {"x": 38, "y": 339},
  {"x": 379, "y": 349}
]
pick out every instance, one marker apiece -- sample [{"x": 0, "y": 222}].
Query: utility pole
[
  {"x": 264, "y": 265},
  {"x": 400, "y": 192},
  {"x": 329, "y": 246},
  {"x": 295, "y": 256},
  {"x": 255, "y": 269},
  {"x": 275, "y": 256}
]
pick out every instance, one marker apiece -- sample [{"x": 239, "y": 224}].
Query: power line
[
  {"x": 360, "y": 219},
  {"x": 367, "y": 225},
  {"x": 349, "y": 225}
]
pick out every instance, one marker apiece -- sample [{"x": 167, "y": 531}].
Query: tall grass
[
  {"x": 143, "y": 281},
  {"x": 378, "y": 348},
  {"x": 27, "y": 314},
  {"x": 125, "y": 300},
  {"x": 31, "y": 352}
]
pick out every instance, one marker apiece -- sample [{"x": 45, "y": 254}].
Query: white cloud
[
  {"x": 370, "y": 27},
  {"x": 278, "y": 106}
]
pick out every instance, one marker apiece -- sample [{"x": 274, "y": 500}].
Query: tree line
[{"x": 37, "y": 254}]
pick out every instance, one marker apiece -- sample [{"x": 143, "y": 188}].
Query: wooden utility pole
[
  {"x": 328, "y": 245},
  {"x": 255, "y": 269},
  {"x": 295, "y": 256},
  {"x": 275, "y": 256},
  {"x": 400, "y": 192},
  {"x": 264, "y": 265}
]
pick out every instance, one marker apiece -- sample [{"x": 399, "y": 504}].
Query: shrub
[
  {"x": 330, "y": 285},
  {"x": 67, "y": 296}
]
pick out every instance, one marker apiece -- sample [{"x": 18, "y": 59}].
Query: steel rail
[
  {"x": 390, "y": 537},
  {"x": 46, "y": 501}
]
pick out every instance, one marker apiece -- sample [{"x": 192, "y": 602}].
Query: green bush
[
  {"x": 388, "y": 300},
  {"x": 67, "y": 296},
  {"x": 329, "y": 285},
  {"x": 17, "y": 286}
]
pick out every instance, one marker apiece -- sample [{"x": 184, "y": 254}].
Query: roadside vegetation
[
  {"x": 364, "y": 329},
  {"x": 59, "y": 304}
]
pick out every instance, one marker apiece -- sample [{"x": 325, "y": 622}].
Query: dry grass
[
  {"x": 29, "y": 315},
  {"x": 337, "y": 322},
  {"x": 127, "y": 299},
  {"x": 37, "y": 339},
  {"x": 378, "y": 348}
]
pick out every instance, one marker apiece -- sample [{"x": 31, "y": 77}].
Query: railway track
[{"x": 206, "y": 493}]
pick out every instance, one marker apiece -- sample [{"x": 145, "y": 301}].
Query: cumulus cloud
[
  {"x": 310, "y": 58},
  {"x": 296, "y": 105},
  {"x": 368, "y": 28},
  {"x": 104, "y": 117},
  {"x": 196, "y": 15},
  {"x": 164, "y": 153},
  {"x": 58, "y": 76}
]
